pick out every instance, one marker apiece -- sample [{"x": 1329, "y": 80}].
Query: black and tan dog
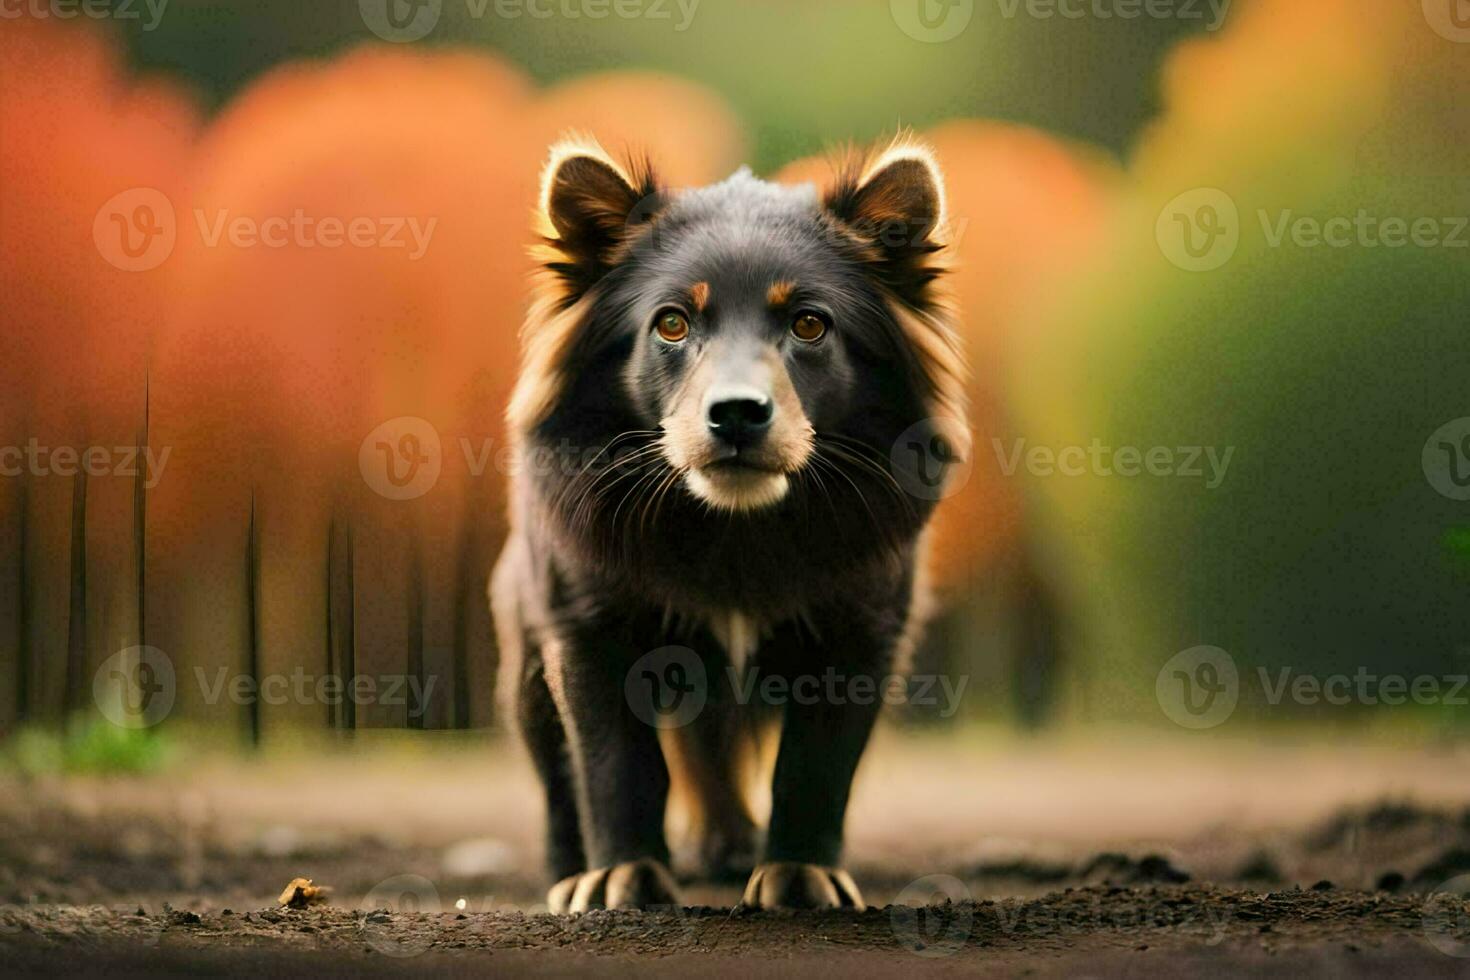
[{"x": 732, "y": 405}]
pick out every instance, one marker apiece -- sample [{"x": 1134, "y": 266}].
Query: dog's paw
[
  {"x": 631, "y": 885},
  {"x": 787, "y": 885}
]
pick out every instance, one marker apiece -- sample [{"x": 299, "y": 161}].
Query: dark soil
[{"x": 179, "y": 873}]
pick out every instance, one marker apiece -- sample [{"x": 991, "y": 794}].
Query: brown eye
[
  {"x": 672, "y": 326},
  {"x": 809, "y": 327}
]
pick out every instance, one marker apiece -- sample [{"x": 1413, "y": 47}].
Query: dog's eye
[
  {"x": 809, "y": 327},
  {"x": 672, "y": 326}
]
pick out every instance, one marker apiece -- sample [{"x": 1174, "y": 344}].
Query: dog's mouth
[
  {"x": 735, "y": 461},
  {"x": 738, "y": 481}
]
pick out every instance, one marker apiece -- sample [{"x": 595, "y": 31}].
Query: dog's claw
[
  {"x": 632, "y": 885},
  {"x": 789, "y": 885}
]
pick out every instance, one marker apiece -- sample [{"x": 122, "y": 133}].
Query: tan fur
[
  {"x": 930, "y": 330},
  {"x": 780, "y": 293},
  {"x": 546, "y": 343},
  {"x": 941, "y": 357},
  {"x": 787, "y": 448},
  {"x": 699, "y": 296},
  {"x": 550, "y": 326},
  {"x": 708, "y": 795}
]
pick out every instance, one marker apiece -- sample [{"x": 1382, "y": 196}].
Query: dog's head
[{"x": 743, "y": 324}]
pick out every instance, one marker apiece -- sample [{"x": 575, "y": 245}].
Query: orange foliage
[
  {"x": 275, "y": 337},
  {"x": 77, "y": 128}
]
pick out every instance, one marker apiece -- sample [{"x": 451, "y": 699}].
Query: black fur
[{"x": 612, "y": 557}]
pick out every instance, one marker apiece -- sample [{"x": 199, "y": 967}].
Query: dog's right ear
[{"x": 589, "y": 207}]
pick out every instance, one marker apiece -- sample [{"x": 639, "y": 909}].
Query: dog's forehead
[
  {"x": 743, "y": 194},
  {"x": 742, "y": 228}
]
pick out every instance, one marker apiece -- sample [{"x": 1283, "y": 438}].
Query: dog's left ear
[
  {"x": 589, "y": 206},
  {"x": 894, "y": 205}
]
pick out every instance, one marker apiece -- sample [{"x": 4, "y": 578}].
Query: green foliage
[{"x": 86, "y": 745}]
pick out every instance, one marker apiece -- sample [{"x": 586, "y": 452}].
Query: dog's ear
[
  {"x": 893, "y": 204},
  {"x": 589, "y": 207}
]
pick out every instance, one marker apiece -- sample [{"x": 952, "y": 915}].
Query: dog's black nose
[{"x": 740, "y": 415}]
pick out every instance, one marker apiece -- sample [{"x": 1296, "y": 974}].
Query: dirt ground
[{"x": 1097, "y": 857}]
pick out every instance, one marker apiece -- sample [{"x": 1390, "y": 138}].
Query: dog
[{"x": 734, "y": 408}]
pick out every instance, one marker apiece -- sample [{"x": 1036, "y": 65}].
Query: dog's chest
[{"x": 738, "y": 634}]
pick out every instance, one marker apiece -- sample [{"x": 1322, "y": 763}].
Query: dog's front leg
[
  {"x": 835, "y": 693},
  {"x": 621, "y": 780}
]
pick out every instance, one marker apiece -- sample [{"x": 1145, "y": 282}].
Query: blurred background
[
  {"x": 1212, "y": 270},
  {"x": 1205, "y": 586}
]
